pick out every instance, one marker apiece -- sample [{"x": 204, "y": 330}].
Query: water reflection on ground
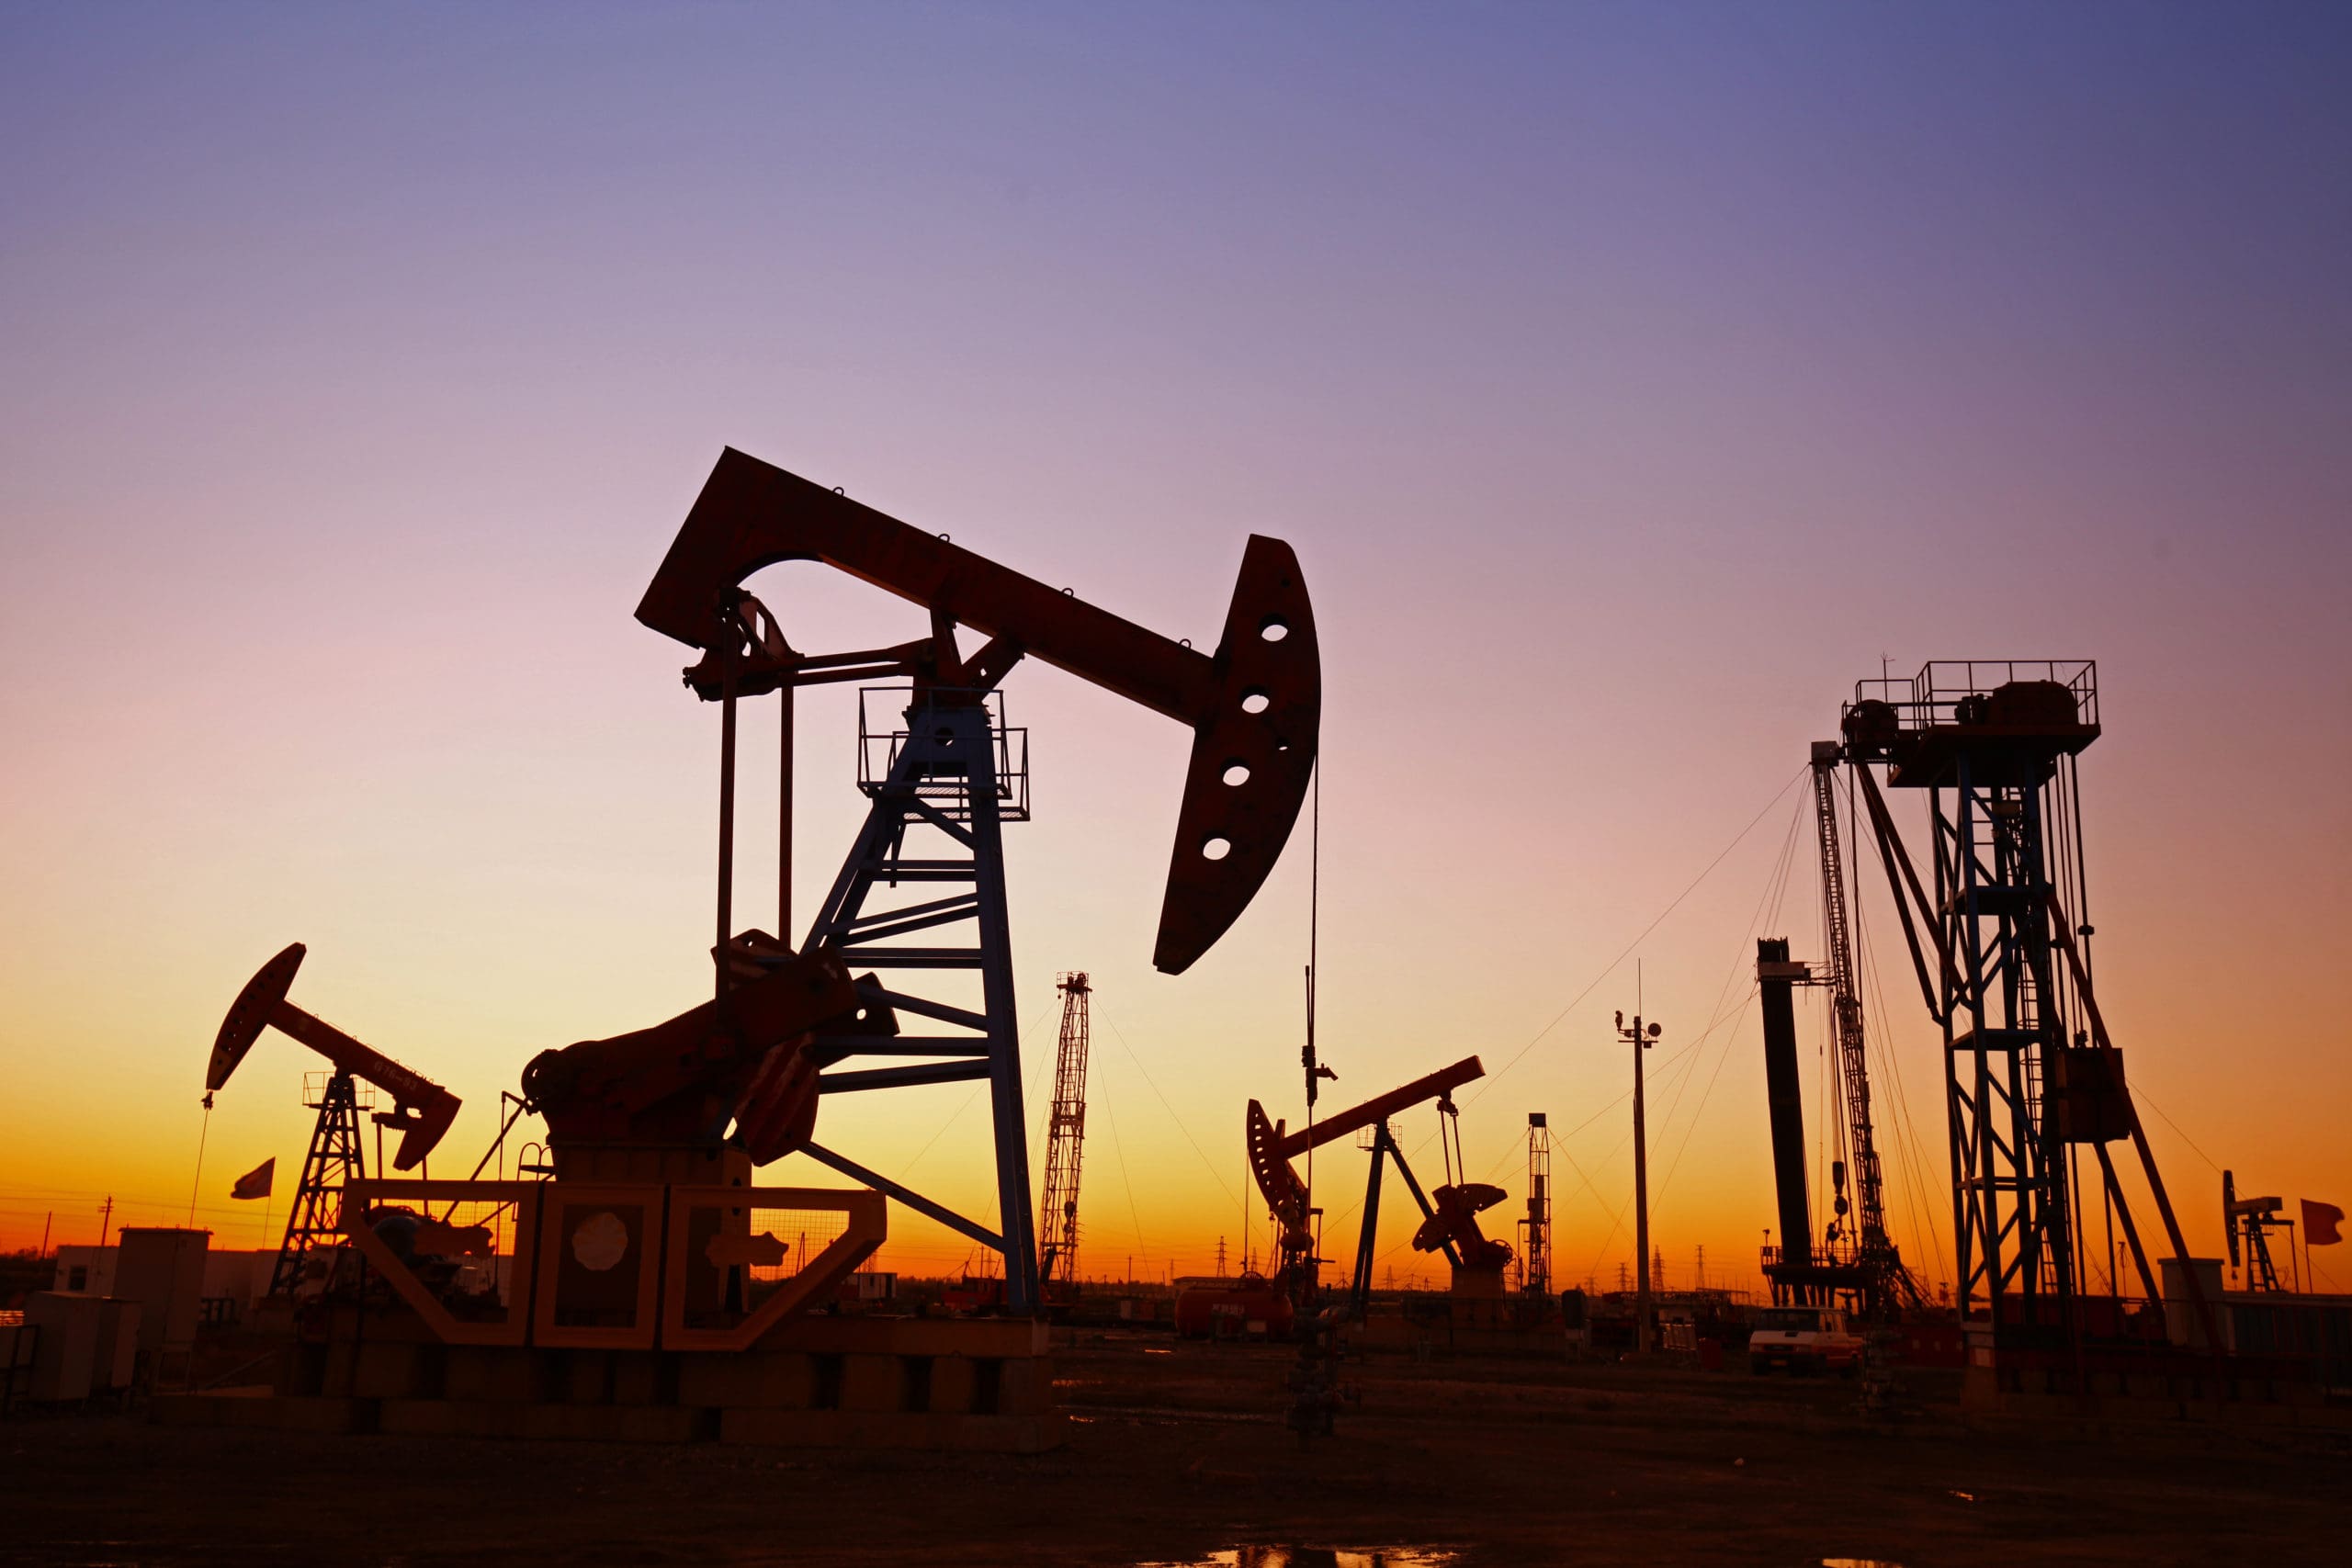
[{"x": 1319, "y": 1557}]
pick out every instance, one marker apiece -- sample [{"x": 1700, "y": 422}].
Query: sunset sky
[{"x": 1630, "y": 379}]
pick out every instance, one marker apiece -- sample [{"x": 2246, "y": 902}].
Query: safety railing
[
  {"x": 884, "y": 714},
  {"x": 1942, "y": 693}
]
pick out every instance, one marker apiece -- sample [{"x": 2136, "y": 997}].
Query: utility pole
[
  {"x": 1640, "y": 1035},
  {"x": 105, "y": 1218}
]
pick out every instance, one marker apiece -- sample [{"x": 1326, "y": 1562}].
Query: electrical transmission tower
[
  {"x": 1066, "y": 1136},
  {"x": 335, "y": 1159}
]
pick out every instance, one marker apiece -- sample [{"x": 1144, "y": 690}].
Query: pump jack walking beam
[
  {"x": 422, "y": 1109},
  {"x": 1254, "y": 705}
]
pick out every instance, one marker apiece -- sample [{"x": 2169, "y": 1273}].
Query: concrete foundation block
[
  {"x": 1026, "y": 1387},
  {"x": 637, "y": 1378},
  {"x": 386, "y": 1370},
  {"x": 782, "y": 1380},
  {"x": 588, "y": 1377},
  {"x": 954, "y": 1381},
  {"x": 870, "y": 1383},
  {"x": 281, "y": 1414}
]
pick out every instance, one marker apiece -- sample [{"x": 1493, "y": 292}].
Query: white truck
[{"x": 1802, "y": 1341}]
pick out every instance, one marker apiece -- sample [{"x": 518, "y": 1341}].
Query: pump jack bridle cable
[
  {"x": 1313, "y": 929},
  {"x": 196, "y": 1182}
]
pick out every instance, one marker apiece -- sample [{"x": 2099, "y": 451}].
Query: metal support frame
[
  {"x": 1384, "y": 1147},
  {"x": 336, "y": 1158},
  {"x": 943, "y": 780},
  {"x": 2004, "y": 1016},
  {"x": 2030, "y": 1073}
]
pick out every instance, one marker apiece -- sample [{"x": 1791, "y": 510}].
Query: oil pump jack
[
  {"x": 1854, "y": 1258},
  {"x": 1449, "y": 1214},
  {"x": 422, "y": 1110},
  {"x": 949, "y": 767}
]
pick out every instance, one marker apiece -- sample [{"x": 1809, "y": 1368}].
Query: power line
[
  {"x": 1627, "y": 952},
  {"x": 1206, "y": 1163}
]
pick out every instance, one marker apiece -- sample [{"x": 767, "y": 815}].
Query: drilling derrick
[
  {"x": 1535, "y": 1230},
  {"x": 1065, "y": 1140}
]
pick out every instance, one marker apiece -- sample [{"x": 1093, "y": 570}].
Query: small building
[{"x": 232, "y": 1281}]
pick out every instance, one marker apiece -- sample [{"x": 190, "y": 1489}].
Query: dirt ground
[{"x": 1177, "y": 1452}]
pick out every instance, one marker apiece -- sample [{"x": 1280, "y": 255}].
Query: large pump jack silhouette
[{"x": 943, "y": 778}]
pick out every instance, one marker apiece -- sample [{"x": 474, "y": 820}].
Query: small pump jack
[
  {"x": 1449, "y": 1223},
  {"x": 422, "y": 1110}
]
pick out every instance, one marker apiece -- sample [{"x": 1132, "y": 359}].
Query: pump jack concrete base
[{"x": 975, "y": 1385}]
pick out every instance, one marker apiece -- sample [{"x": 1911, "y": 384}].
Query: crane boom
[
  {"x": 1846, "y": 1001},
  {"x": 1890, "y": 1285}
]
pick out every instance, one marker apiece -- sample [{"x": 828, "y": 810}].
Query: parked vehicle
[{"x": 1804, "y": 1341}]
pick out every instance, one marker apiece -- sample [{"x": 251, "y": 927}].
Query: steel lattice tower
[
  {"x": 336, "y": 1157},
  {"x": 1994, "y": 773},
  {"x": 2031, "y": 1078},
  {"x": 1535, "y": 1230},
  {"x": 959, "y": 775},
  {"x": 1066, "y": 1137}
]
